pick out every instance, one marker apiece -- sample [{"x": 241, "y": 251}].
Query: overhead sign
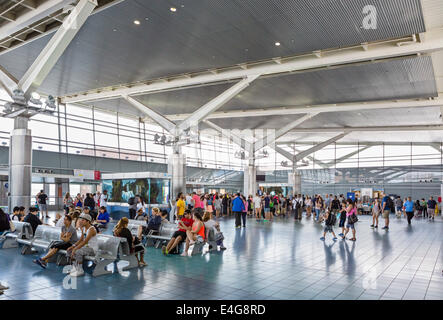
[{"x": 84, "y": 174}]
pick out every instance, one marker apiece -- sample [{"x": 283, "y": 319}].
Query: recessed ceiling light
[
  {"x": 277, "y": 44},
  {"x": 114, "y": 30},
  {"x": 173, "y": 9},
  {"x": 137, "y": 22}
]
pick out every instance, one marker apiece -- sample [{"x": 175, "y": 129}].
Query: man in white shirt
[
  {"x": 188, "y": 201},
  {"x": 104, "y": 199},
  {"x": 97, "y": 198},
  {"x": 257, "y": 205}
]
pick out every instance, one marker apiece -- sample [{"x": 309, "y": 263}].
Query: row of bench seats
[
  {"x": 165, "y": 233},
  {"x": 110, "y": 249}
]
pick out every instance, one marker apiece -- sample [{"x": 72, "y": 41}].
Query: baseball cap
[{"x": 86, "y": 217}]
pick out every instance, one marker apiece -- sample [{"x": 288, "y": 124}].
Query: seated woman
[
  {"x": 103, "y": 218},
  {"x": 68, "y": 237},
  {"x": 135, "y": 246},
  {"x": 184, "y": 225},
  {"x": 141, "y": 216},
  {"x": 17, "y": 214},
  {"x": 197, "y": 232},
  {"x": 86, "y": 246},
  {"x": 211, "y": 223},
  {"x": 155, "y": 222}
]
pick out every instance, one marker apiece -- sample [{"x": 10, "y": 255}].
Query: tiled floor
[{"x": 279, "y": 260}]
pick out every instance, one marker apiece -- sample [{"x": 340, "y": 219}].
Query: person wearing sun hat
[{"x": 86, "y": 246}]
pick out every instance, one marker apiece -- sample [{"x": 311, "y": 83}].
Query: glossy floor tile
[{"x": 279, "y": 260}]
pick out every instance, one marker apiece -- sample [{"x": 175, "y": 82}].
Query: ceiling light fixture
[
  {"x": 136, "y": 22},
  {"x": 277, "y": 44},
  {"x": 173, "y": 9}
]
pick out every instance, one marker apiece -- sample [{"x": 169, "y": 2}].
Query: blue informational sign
[
  {"x": 351, "y": 195},
  {"x": 6, "y": 185}
]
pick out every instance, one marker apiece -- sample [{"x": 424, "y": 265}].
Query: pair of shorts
[
  {"x": 179, "y": 234},
  {"x": 328, "y": 228},
  {"x": 61, "y": 245},
  {"x": 267, "y": 210},
  {"x": 376, "y": 214},
  {"x": 43, "y": 207},
  {"x": 350, "y": 226},
  {"x": 341, "y": 224},
  {"x": 386, "y": 214}
]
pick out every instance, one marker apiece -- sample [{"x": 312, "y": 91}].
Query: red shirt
[{"x": 186, "y": 222}]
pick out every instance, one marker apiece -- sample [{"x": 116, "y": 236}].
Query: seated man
[
  {"x": 86, "y": 246},
  {"x": 68, "y": 237},
  {"x": 184, "y": 225},
  {"x": 32, "y": 218},
  {"x": 103, "y": 218}
]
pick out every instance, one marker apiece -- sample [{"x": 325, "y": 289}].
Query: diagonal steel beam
[
  {"x": 45, "y": 9},
  {"x": 303, "y": 154},
  {"x": 8, "y": 82},
  {"x": 345, "y": 157},
  {"x": 49, "y": 56},
  {"x": 270, "y": 139},
  {"x": 157, "y": 117},
  {"x": 242, "y": 143},
  {"x": 216, "y": 103}
]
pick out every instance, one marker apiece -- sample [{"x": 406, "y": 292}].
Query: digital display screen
[{"x": 152, "y": 191}]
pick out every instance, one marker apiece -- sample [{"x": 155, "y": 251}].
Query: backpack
[
  {"x": 271, "y": 204},
  {"x": 332, "y": 219},
  {"x": 389, "y": 203},
  {"x": 131, "y": 201}
]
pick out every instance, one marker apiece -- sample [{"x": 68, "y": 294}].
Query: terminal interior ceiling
[{"x": 259, "y": 87}]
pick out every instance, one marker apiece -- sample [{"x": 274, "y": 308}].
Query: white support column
[
  {"x": 158, "y": 118},
  {"x": 250, "y": 179},
  {"x": 294, "y": 180},
  {"x": 177, "y": 170},
  {"x": 216, "y": 103},
  {"x": 20, "y": 164},
  {"x": 49, "y": 56}
]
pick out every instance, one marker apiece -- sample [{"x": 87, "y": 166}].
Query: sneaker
[
  {"x": 142, "y": 264},
  {"x": 77, "y": 272},
  {"x": 335, "y": 238},
  {"x": 244, "y": 226},
  {"x": 372, "y": 226},
  {"x": 40, "y": 263},
  {"x": 184, "y": 254},
  {"x": 322, "y": 238},
  {"x": 164, "y": 249},
  {"x": 340, "y": 234},
  {"x": 222, "y": 248},
  {"x": 376, "y": 227}
]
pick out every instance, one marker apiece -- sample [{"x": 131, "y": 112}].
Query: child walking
[{"x": 330, "y": 220}]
